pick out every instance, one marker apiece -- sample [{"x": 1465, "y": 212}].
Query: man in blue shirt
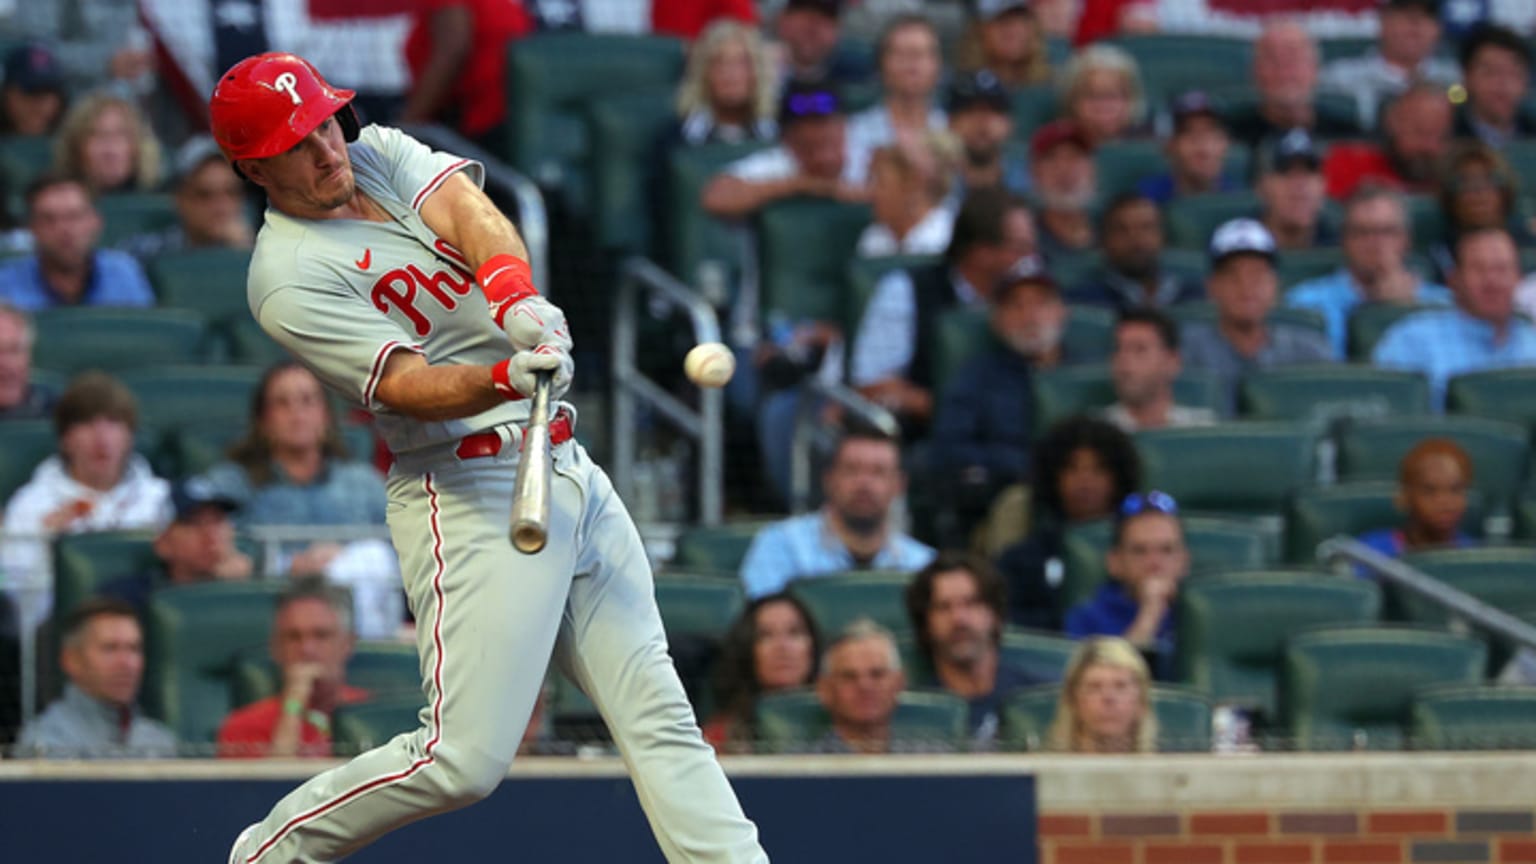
[
  {"x": 68, "y": 269},
  {"x": 1197, "y": 153},
  {"x": 1481, "y": 332},
  {"x": 852, "y": 530},
  {"x": 1375, "y": 266}
]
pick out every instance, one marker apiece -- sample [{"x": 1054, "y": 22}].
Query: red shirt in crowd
[
  {"x": 1349, "y": 165},
  {"x": 480, "y": 91},
  {"x": 247, "y": 732},
  {"x": 688, "y": 18}
]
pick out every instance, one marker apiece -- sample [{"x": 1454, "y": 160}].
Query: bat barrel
[{"x": 530, "y": 495}]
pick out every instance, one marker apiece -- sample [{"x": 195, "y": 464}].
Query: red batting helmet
[{"x": 267, "y": 103}]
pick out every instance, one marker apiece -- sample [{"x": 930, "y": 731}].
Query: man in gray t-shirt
[{"x": 1243, "y": 286}]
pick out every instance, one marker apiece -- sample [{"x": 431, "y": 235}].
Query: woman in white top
[
  {"x": 910, "y": 65},
  {"x": 909, "y": 188}
]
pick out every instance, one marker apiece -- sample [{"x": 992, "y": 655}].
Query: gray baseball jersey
[{"x": 342, "y": 295}]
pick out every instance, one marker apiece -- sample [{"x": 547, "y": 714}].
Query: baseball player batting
[{"x": 383, "y": 267}]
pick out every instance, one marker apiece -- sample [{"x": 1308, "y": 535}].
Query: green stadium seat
[
  {"x": 1324, "y": 393},
  {"x": 1040, "y": 655},
  {"x": 1501, "y": 576},
  {"x": 1372, "y": 449},
  {"x": 1521, "y": 156},
  {"x": 1317, "y": 513},
  {"x": 1089, "y": 335},
  {"x": 113, "y": 339},
  {"x": 55, "y": 381},
  {"x": 794, "y": 721},
  {"x": 1122, "y": 165},
  {"x": 716, "y": 549},
  {"x": 1370, "y": 321},
  {"x": 1501, "y": 394},
  {"x": 626, "y": 133},
  {"x": 693, "y": 236},
  {"x": 1232, "y": 629},
  {"x": 194, "y": 635},
  {"x": 836, "y": 601},
  {"x": 22, "y": 159},
  {"x": 125, "y": 214},
  {"x": 1171, "y": 64},
  {"x": 249, "y": 345},
  {"x": 1067, "y": 390},
  {"x": 387, "y": 670},
  {"x": 1425, "y": 221},
  {"x": 961, "y": 335},
  {"x": 697, "y": 607},
  {"x": 864, "y": 275},
  {"x": 83, "y": 564},
  {"x": 1475, "y": 718},
  {"x": 1294, "y": 266},
  {"x": 550, "y": 80},
  {"x": 1343, "y": 47},
  {"x": 1183, "y": 718},
  {"x": 804, "y": 246},
  {"x": 1033, "y": 107},
  {"x": 210, "y": 282},
  {"x": 1192, "y": 220},
  {"x": 1205, "y": 312},
  {"x": 1525, "y": 518},
  {"x": 1353, "y": 688},
  {"x": 23, "y": 445},
  {"x": 1216, "y": 545},
  {"x": 1197, "y": 465},
  {"x": 171, "y": 395},
  {"x": 367, "y": 725}
]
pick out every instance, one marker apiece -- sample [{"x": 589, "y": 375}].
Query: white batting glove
[
  {"x": 517, "y": 376},
  {"x": 534, "y": 321}
]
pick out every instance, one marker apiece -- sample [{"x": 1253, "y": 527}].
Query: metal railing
[
  {"x": 1462, "y": 606},
  {"x": 813, "y": 395},
  {"x": 640, "y": 277}
]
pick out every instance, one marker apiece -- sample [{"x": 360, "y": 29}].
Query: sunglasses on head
[{"x": 1137, "y": 503}]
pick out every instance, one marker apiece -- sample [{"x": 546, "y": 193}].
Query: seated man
[
  {"x": 1133, "y": 275},
  {"x": 1404, "y": 53},
  {"x": 1144, "y": 366},
  {"x": 1496, "y": 63},
  {"x": 980, "y": 119},
  {"x": 860, "y": 680},
  {"x": 851, "y": 531},
  {"x": 311, "y": 643},
  {"x": 198, "y": 545},
  {"x": 1291, "y": 193},
  {"x": 1147, "y": 561},
  {"x": 210, "y": 206},
  {"x": 68, "y": 269},
  {"x": 1065, "y": 183},
  {"x": 1285, "y": 70},
  {"x": 98, "y": 716},
  {"x": 1480, "y": 332},
  {"x": 20, "y": 399},
  {"x": 1376, "y": 238},
  {"x": 1197, "y": 153},
  {"x": 1417, "y": 134},
  {"x": 957, "y": 609},
  {"x": 1243, "y": 286},
  {"x": 1433, "y": 480}
]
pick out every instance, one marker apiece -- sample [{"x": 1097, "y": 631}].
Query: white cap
[{"x": 1240, "y": 236}]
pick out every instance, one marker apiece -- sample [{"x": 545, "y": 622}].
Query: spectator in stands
[
  {"x": 1417, "y": 132},
  {"x": 33, "y": 95},
  {"x": 98, "y": 716},
  {"x": 1433, "y": 480},
  {"x": 1481, "y": 332},
  {"x": 1065, "y": 183},
  {"x": 1100, "y": 91},
  {"x": 852, "y": 530},
  {"x": 986, "y": 418},
  {"x": 1197, "y": 153},
  {"x": 809, "y": 31},
  {"x": 292, "y": 469},
  {"x": 1133, "y": 276},
  {"x": 1004, "y": 38},
  {"x": 95, "y": 483},
  {"x": 1106, "y": 701},
  {"x": 312, "y": 640},
  {"x": 1477, "y": 190},
  {"x": 891, "y": 360},
  {"x": 860, "y": 681},
  {"x": 1496, "y": 63},
  {"x": 1285, "y": 71},
  {"x": 1243, "y": 286},
  {"x": 210, "y": 206},
  {"x": 728, "y": 93},
  {"x": 20, "y": 399},
  {"x": 1376, "y": 238},
  {"x": 772, "y": 646},
  {"x": 1147, "y": 562},
  {"x": 457, "y": 54},
  {"x": 980, "y": 117},
  {"x": 909, "y": 182},
  {"x": 198, "y": 545},
  {"x": 105, "y": 142},
  {"x": 1291, "y": 194},
  {"x": 957, "y": 608},
  {"x": 1083, "y": 467},
  {"x": 68, "y": 269},
  {"x": 1144, "y": 366},
  {"x": 1405, "y": 53},
  {"x": 908, "y": 54}
]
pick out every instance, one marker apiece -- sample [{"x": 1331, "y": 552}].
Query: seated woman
[
  {"x": 1433, "y": 479},
  {"x": 1478, "y": 189},
  {"x": 909, "y": 182},
  {"x": 728, "y": 92},
  {"x": 1100, "y": 91},
  {"x": 1106, "y": 701},
  {"x": 773, "y": 645},
  {"x": 105, "y": 141}
]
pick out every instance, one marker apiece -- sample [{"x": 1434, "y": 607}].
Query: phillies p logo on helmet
[{"x": 286, "y": 83}]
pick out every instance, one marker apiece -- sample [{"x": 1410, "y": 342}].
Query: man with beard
[
  {"x": 1291, "y": 194},
  {"x": 956, "y": 605},
  {"x": 851, "y": 531},
  {"x": 1065, "y": 183},
  {"x": 1132, "y": 276},
  {"x": 1417, "y": 127},
  {"x": 1144, "y": 366},
  {"x": 979, "y": 117}
]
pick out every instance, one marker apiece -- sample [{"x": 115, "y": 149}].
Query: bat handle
[{"x": 530, "y": 494}]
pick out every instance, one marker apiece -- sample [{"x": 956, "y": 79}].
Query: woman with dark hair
[
  {"x": 1478, "y": 190},
  {"x": 1082, "y": 468},
  {"x": 773, "y": 645}
]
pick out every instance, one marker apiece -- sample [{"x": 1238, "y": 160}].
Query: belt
[{"x": 482, "y": 444}]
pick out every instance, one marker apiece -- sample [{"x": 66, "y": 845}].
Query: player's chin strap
[{"x": 505, "y": 279}]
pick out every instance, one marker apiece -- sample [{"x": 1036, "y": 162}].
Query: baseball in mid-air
[{"x": 709, "y": 364}]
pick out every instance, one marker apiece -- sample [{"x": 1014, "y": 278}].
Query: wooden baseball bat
[{"x": 530, "y": 494}]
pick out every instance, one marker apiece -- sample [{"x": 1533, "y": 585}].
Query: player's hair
[
  {"x": 989, "y": 587},
  {"x": 47, "y": 182},
  {"x": 1166, "y": 328},
  {"x": 313, "y": 587},
  {"x": 88, "y": 610},
  {"x": 69, "y": 143},
  {"x": 92, "y": 395},
  {"x": 980, "y": 220},
  {"x": 254, "y": 453},
  {"x": 1113, "y": 447},
  {"x": 1101, "y": 57},
  {"x": 736, "y": 684},
  {"x": 1431, "y": 447},
  {"x": 693, "y": 92},
  {"x": 859, "y": 630},
  {"x": 1066, "y": 727}
]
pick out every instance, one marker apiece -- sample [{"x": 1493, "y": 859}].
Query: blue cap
[{"x": 193, "y": 494}]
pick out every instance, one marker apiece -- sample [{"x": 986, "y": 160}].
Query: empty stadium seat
[
  {"x": 1067, "y": 390},
  {"x": 1173, "y": 63},
  {"x": 716, "y": 549},
  {"x": 1372, "y": 449},
  {"x": 171, "y": 395},
  {"x": 1183, "y": 718},
  {"x": 23, "y": 445},
  {"x": 366, "y": 725},
  {"x": 248, "y": 344},
  {"x": 804, "y": 245},
  {"x": 794, "y": 721},
  {"x": 1197, "y": 466},
  {"x": 626, "y": 133},
  {"x": 125, "y": 214},
  {"x": 83, "y": 564},
  {"x": 1215, "y": 546},
  {"x": 1324, "y": 393},
  {"x": 387, "y": 670},
  {"x": 1501, "y": 576},
  {"x": 1475, "y": 718},
  {"x": 698, "y": 607},
  {"x": 1232, "y": 629},
  {"x": 114, "y": 340},
  {"x": 208, "y": 281},
  {"x": 22, "y": 159},
  {"x": 836, "y": 601},
  {"x": 1344, "y": 688},
  {"x": 1298, "y": 265},
  {"x": 1370, "y": 321},
  {"x": 1501, "y": 394},
  {"x": 1033, "y": 107},
  {"x": 693, "y": 236},
  {"x": 1039, "y": 655},
  {"x": 1317, "y": 513}
]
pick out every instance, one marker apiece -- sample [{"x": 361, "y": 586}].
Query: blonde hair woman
[
  {"x": 1100, "y": 90},
  {"x": 105, "y": 141},
  {"x": 1106, "y": 701},
  {"x": 909, "y": 182},
  {"x": 729, "y": 90}
]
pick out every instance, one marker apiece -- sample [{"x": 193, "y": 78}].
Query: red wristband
[
  {"x": 501, "y": 378},
  {"x": 505, "y": 279}
]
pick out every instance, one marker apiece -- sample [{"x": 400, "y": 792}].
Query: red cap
[
  {"x": 267, "y": 103},
  {"x": 1055, "y": 133}
]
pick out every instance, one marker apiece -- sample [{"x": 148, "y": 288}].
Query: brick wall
[{"x": 1289, "y": 836}]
